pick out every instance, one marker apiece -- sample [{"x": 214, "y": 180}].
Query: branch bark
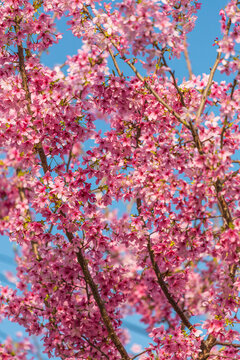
[
  {"x": 23, "y": 73},
  {"x": 107, "y": 321},
  {"x": 164, "y": 288}
]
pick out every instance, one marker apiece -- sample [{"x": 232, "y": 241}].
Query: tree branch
[
  {"x": 164, "y": 288},
  {"x": 107, "y": 321},
  {"x": 158, "y": 274},
  {"x": 23, "y": 74},
  {"x": 27, "y": 212}
]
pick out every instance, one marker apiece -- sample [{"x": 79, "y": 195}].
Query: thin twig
[
  {"x": 225, "y": 125},
  {"x": 143, "y": 352},
  {"x": 69, "y": 159},
  {"x": 210, "y": 80},
  {"x": 96, "y": 347},
  {"x": 235, "y": 173},
  {"x": 188, "y": 62},
  {"x": 220, "y": 356},
  {"x": 174, "y": 82},
  {"x": 227, "y": 344},
  {"x": 207, "y": 88},
  {"x": 114, "y": 61}
]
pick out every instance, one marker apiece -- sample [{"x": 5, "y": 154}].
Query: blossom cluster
[{"x": 169, "y": 154}]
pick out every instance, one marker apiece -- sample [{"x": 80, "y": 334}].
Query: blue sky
[
  {"x": 202, "y": 55},
  {"x": 201, "y": 51}
]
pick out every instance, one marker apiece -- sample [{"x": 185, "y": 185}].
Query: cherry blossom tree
[{"x": 170, "y": 155}]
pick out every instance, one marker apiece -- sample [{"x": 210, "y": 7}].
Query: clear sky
[{"x": 202, "y": 54}]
